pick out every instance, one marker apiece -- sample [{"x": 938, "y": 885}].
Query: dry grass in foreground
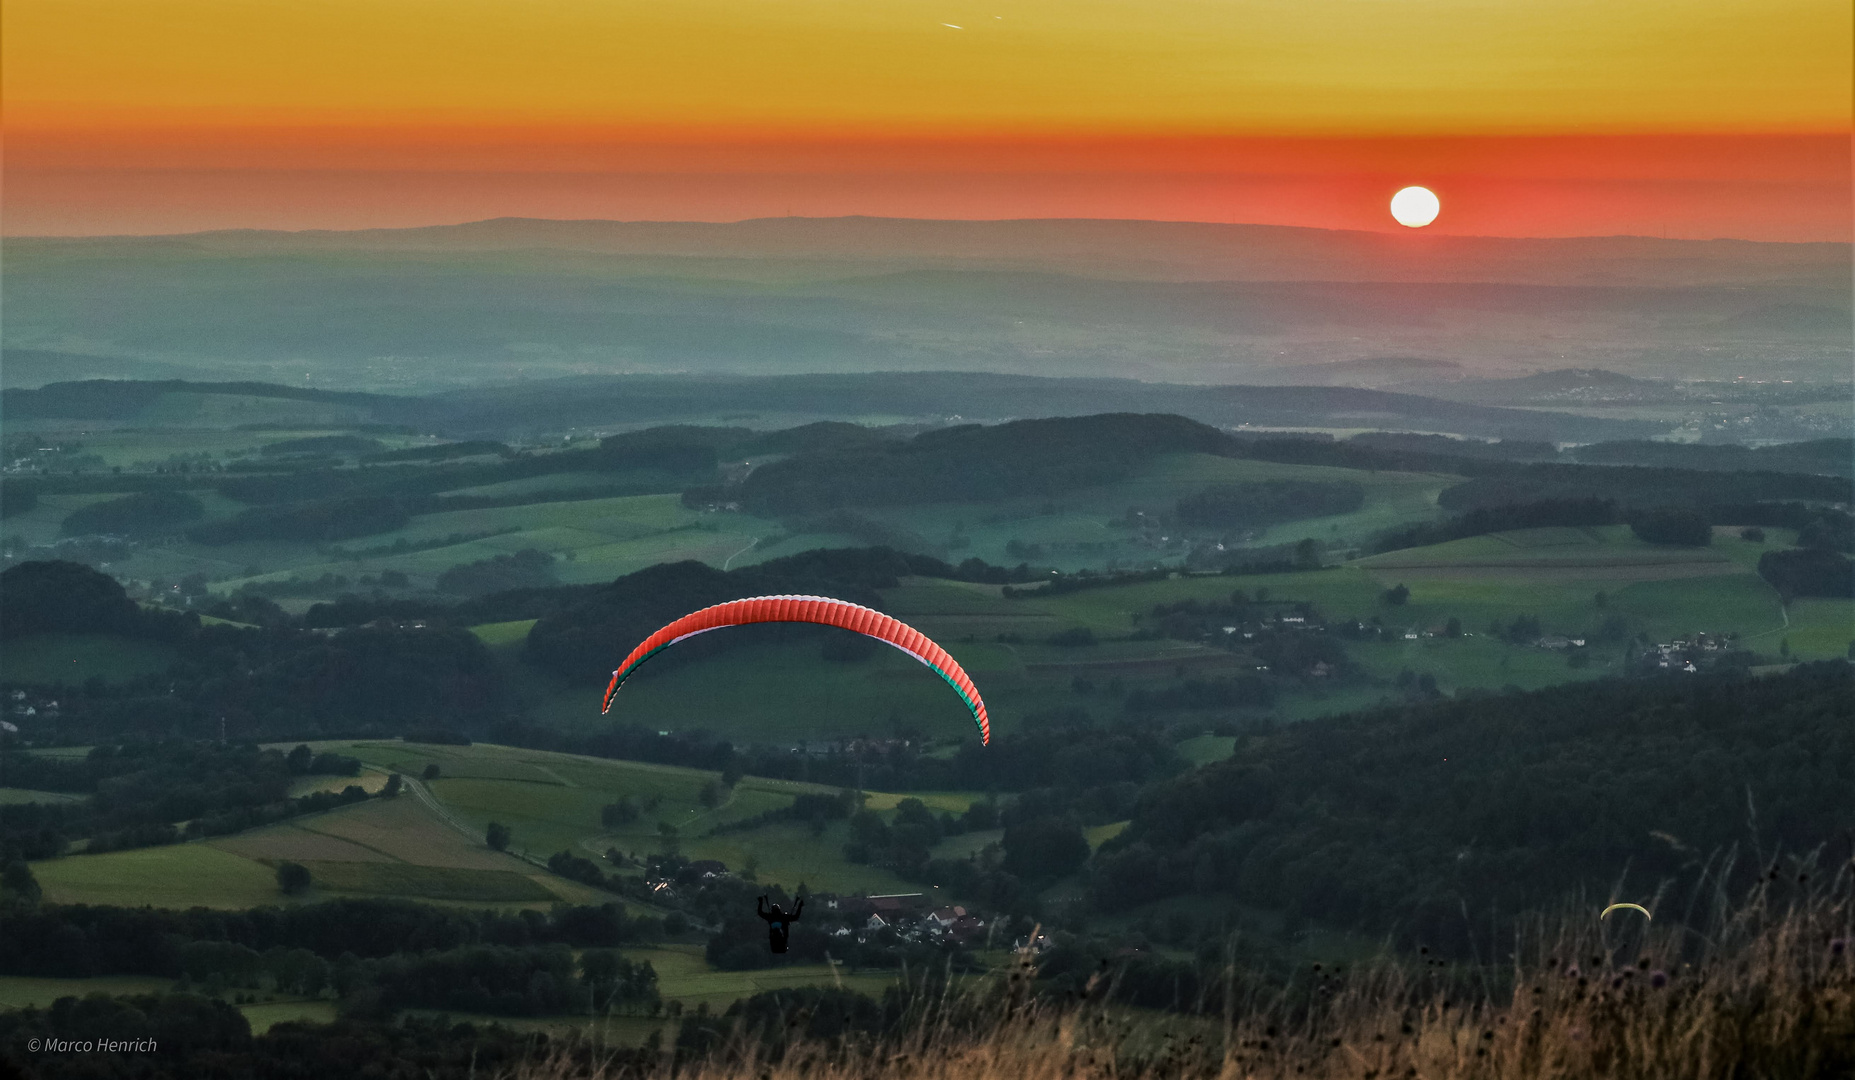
[{"x": 1765, "y": 988}]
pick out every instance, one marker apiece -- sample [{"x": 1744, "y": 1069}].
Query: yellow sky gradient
[{"x": 1141, "y": 66}]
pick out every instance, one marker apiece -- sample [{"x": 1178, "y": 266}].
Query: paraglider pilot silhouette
[{"x": 779, "y": 923}]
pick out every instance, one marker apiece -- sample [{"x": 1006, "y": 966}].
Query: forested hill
[
  {"x": 976, "y": 464},
  {"x": 503, "y": 411},
  {"x": 575, "y": 639},
  {"x": 124, "y": 399},
  {"x": 1405, "y": 819}
]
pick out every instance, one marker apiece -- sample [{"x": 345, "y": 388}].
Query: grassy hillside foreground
[{"x": 1768, "y": 990}]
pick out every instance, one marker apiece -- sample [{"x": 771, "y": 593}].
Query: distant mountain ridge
[
  {"x": 611, "y": 401},
  {"x": 1165, "y": 250}
]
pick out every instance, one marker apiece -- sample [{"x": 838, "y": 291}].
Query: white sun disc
[{"x": 1415, "y": 207}]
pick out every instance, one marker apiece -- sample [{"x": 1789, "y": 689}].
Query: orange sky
[{"x": 1529, "y": 117}]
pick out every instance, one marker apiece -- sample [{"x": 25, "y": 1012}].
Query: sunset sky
[{"x": 1693, "y": 118}]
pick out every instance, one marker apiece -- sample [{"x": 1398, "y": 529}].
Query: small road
[
  {"x": 431, "y": 802},
  {"x": 738, "y": 554}
]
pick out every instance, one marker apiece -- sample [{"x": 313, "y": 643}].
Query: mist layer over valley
[{"x": 421, "y": 309}]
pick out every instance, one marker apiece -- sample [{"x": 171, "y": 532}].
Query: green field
[
  {"x": 380, "y": 848},
  {"x": 1820, "y": 628},
  {"x": 173, "y": 876},
  {"x": 1075, "y": 531},
  {"x": 13, "y": 796},
  {"x": 19, "y": 991},
  {"x": 1205, "y": 749},
  {"x": 597, "y": 539},
  {"x": 77, "y": 658},
  {"x": 1573, "y": 581},
  {"x": 551, "y": 803},
  {"x": 682, "y": 975}
]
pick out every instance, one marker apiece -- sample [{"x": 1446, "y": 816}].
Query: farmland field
[
  {"x": 682, "y": 975},
  {"x": 1573, "y": 581},
  {"x": 172, "y": 876},
  {"x": 19, "y": 991},
  {"x": 381, "y": 848},
  {"x": 551, "y": 802},
  {"x": 597, "y": 539},
  {"x": 1075, "y": 528},
  {"x": 15, "y": 796}
]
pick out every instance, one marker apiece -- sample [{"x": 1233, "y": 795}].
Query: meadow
[
  {"x": 597, "y": 539},
  {"x": 380, "y": 848},
  {"x": 551, "y": 802},
  {"x": 1075, "y": 529}
]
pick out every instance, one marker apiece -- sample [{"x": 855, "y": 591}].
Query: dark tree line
[
  {"x": 1635, "y": 486},
  {"x": 196, "y": 1037},
  {"x": 1686, "y": 528},
  {"x": 528, "y": 568},
  {"x": 317, "y": 520},
  {"x": 1808, "y": 572},
  {"x": 135, "y": 794},
  {"x": 1574, "y": 512},
  {"x": 142, "y": 514},
  {"x": 79, "y": 941},
  {"x": 268, "y": 682}
]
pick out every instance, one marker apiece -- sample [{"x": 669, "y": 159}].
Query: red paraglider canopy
[{"x": 810, "y": 609}]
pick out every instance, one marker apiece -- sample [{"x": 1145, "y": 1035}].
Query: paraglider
[
  {"x": 1631, "y": 907},
  {"x": 810, "y": 609},
  {"x": 779, "y": 922}
]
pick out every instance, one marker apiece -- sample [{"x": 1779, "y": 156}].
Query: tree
[
  {"x": 497, "y": 835},
  {"x": 1307, "y": 554},
  {"x": 293, "y": 878},
  {"x": 668, "y": 834},
  {"x": 18, "y": 884},
  {"x": 732, "y": 772},
  {"x": 1045, "y": 848},
  {"x": 1453, "y": 628},
  {"x": 431, "y": 771},
  {"x": 1396, "y": 595},
  {"x": 298, "y": 759},
  {"x": 622, "y": 812},
  {"x": 1753, "y": 534},
  {"x": 1685, "y": 527},
  {"x": 394, "y": 782},
  {"x": 1808, "y": 572},
  {"x": 710, "y": 795}
]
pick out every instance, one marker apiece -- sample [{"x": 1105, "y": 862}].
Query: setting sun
[{"x": 1415, "y": 207}]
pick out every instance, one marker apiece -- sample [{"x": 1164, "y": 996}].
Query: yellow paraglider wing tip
[{"x": 1630, "y": 907}]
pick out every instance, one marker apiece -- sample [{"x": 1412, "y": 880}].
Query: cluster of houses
[
  {"x": 904, "y": 914},
  {"x": 26, "y": 707},
  {"x": 909, "y": 916},
  {"x": 1686, "y": 654},
  {"x": 1559, "y": 641}
]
